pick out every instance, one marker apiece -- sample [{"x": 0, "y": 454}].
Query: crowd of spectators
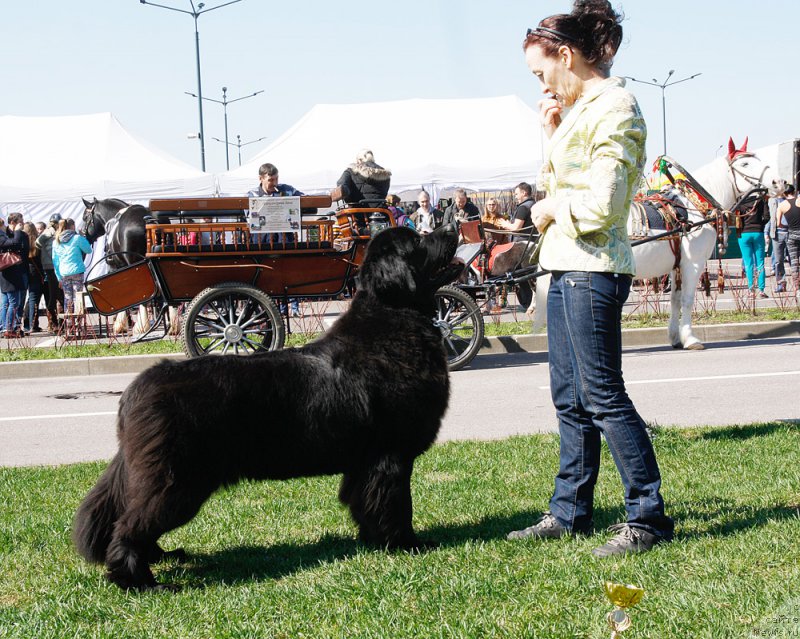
[{"x": 35, "y": 277}]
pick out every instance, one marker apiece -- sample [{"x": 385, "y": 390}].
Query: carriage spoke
[
  {"x": 444, "y": 310},
  {"x": 209, "y": 322},
  {"x": 469, "y": 315},
  {"x": 231, "y": 311},
  {"x": 213, "y": 346},
  {"x": 452, "y": 346},
  {"x": 256, "y": 318},
  {"x": 248, "y": 311},
  {"x": 254, "y": 345}
]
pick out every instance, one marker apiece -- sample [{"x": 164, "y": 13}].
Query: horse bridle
[
  {"x": 93, "y": 220},
  {"x": 753, "y": 182}
]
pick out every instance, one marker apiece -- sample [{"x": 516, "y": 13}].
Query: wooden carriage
[{"x": 231, "y": 276}]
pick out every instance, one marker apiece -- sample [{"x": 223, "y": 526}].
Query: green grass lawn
[
  {"x": 12, "y": 353},
  {"x": 280, "y": 559}
]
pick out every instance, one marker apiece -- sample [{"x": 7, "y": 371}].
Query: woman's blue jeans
[
  {"x": 584, "y": 338},
  {"x": 752, "y": 247},
  {"x": 11, "y": 309}
]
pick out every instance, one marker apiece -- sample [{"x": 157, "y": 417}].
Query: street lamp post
[
  {"x": 196, "y": 13},
  {"x": 663, "y": 86},
  {"x": 225, "y": 102},
  {"x": 238, "y": 144}
]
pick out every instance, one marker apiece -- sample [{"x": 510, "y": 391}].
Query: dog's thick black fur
[{"x": 364, "y": 400}]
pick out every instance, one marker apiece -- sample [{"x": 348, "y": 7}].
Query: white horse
[{"x": 726, "y": 179}]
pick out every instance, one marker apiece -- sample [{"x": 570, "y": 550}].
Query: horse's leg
[
  {"x": 696, "y": 248},
  {"x": 532, "y": 308},
  {"x": 120, "y": 323},
  {"x": 141, "y": 320},
  {"x": 540, "y": 302},
  {"x": 174, "y": 321},
  {"x": 675, "y": 305},
  {"x": 690, "y": 276}
]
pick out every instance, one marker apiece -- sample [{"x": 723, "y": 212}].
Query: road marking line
[
  {"x": 700, "y": 379},
  {"x": 59, "y": 416}
]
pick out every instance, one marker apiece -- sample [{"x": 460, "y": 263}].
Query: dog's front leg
[{"x": 379, "y": 497}]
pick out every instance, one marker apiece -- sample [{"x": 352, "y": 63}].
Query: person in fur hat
[{"x": 364, "y": 180}]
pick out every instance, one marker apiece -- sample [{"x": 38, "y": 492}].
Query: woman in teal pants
[{"x": 755, "y": 216}]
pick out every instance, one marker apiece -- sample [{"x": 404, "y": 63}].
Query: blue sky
[{"x": 88, "y": 56}]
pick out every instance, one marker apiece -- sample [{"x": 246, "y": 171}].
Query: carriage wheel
[
  {"x": 459, "y": 319},
  {"x": 231, "y": 318}
]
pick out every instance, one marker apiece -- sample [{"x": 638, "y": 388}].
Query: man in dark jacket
[
  {"x": 364, "y": 180},
  {"x": 14, "y": 279},
  {"x": 461, "y": 209}
]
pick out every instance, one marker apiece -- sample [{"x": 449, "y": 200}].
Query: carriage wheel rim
[
  {"x": 233, "y": 322},
  {"x": 453, "y": 316}
]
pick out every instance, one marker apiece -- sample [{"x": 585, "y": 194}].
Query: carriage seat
[
  {"x": 240, "y": 248},
  {"x": 367, "y": 204}
]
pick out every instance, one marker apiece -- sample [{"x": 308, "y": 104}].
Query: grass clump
[{"x": 279, "y": 559}]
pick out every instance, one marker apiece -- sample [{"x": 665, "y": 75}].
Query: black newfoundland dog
[{"x": 364, "y": 400}]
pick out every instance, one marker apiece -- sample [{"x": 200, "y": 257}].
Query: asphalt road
[{"x": 61, "y": 420}]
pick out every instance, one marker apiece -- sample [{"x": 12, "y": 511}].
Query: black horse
[{"x": 122, "y": 224}]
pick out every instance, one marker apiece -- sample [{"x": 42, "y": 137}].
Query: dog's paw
[
  {"x": 423, "y": 546},
  {"x": 163, "y": 588},
  {"x": 414, "y": 546},
  {"x": 179, "y": 554}
]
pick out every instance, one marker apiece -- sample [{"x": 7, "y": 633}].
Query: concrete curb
[{"x": 634, "y": 337}]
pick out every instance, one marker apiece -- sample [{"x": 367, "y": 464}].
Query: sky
[{"x": 137, "y": 61}]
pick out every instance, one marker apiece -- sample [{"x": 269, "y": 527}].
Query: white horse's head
[{"x": 728, "y": 178}]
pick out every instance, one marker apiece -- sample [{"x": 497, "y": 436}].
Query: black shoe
[
  {"x": 547, "y": 527},
  {"x": 628, "y": 539}
]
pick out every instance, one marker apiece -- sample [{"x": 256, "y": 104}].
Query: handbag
[{"x": 9, "y": 259}]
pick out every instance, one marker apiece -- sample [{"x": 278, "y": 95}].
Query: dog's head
[{"x": 404, "y": 269}]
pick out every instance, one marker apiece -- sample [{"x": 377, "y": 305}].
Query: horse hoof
[
  {"x": 677, "y": 345},
  {"x": 697, "y": 346}
]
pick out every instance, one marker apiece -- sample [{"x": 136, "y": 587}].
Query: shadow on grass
[
  {"x": 751, "y": 430},
  {"x": 255, "y": 563},
  {"x": 724, "y": 518}
]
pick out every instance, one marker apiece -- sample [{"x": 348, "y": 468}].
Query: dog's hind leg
[
  {"x": 156, "y": 554},
  {"x": 150, "y": 514},
  {"x": 379, "y": 497}
]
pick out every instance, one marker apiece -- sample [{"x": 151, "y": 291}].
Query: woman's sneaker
[
  {"x": 629, "y": 539},
  {"x": 546, "y": 528}
]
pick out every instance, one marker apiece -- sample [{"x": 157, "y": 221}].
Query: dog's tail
[{"x": 99, "y": 511}]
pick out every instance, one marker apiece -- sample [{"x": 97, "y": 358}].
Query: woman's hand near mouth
[{"x": 550, "y": 112}]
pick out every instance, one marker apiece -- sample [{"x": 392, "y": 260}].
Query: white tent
[
  {"x": 47, "y": 164},
  {"x": 482, "y": 144}
]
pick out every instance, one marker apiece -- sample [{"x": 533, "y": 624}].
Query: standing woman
[
  {"x": 35, "y": 282},
  {"x": 789, "y": 215},
  {"x": 52, "y": 293},
  {"x": 755, "y": 215},
  {"x": 595, "y": 156},
  {"x": 14, "y": 279},
  {"x": 69, "y": 249}
]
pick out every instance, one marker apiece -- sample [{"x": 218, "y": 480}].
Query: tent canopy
[
  {"x": 47, "y": 164},
  {"x": 481, "y": 144}
]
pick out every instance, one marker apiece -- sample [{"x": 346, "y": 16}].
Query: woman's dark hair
[{"x": 593, "y": 28}]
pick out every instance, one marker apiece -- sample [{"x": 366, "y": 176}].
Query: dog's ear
[
  {"x": 388, "y": 278},
  {"x": 386, "y": 271}
]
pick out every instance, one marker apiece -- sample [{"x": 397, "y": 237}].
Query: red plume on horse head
[{"x": 733, "y": 151}]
